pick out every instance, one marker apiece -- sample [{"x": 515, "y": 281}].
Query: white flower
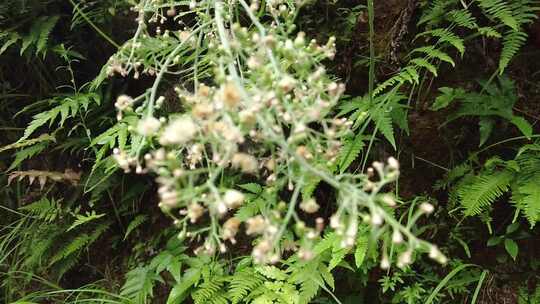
[
  {"x": 393, "y": 163},
  {"x": 233, "y": 198},
  {"x": 230, "y": 95},
  {"x": 376, "y": 219},
  {"x": 427, "y": 208},
  {"x": 309, "y": 206},
  {"x": 397, "y": 237},
  {"x": 148, "y": 126},
  {"x": 385, "y": 262},
  {"x": 230, "y": 229},
  {"x": 123, "y": 102},
  {"x": 194, "y": 212},
  {"x": 179, "y": 131},
  {"x": 404, "y": 259},
  {"x": 245, "y": 162},
  {"x": 255, "y": 225},
  {"x": 287, "y": 83}
]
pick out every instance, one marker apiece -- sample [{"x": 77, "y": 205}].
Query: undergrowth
[{"x": 215, "y": 152}]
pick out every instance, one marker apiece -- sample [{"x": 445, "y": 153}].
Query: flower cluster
[{"x": 263, "y": 118}]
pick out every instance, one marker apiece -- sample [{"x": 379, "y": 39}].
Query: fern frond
[
  {"x": 29, "y": 142},
  {"x": 463, "y": 18},
  {"x": 499, "y": 9},
  {"x": 139, "y": 284},
  {"x": 483, "y": 191},
  {"x": 27, "y": 153},
  {"x": 432, "y": 52},
  {"x": 421, "y": 62},
  {"x": 512, "y": 43},
  {"x": 242, "y": 283},
  {"x": 384, "y": 125},
  {"x": 44, "y": 209},
  {"x": 73, "y": 246},
  {"x": 83, "y": 219},
  {"x": 43, "y": 176},
  {"x": 433, "y": 14},
  {"x": 67, "y": 107},
  {"x": 349, "y": 152},
  {"x": 530, "y": 200},
  {"x": 136, "y": 222},
  {"x": 272, "y": 272},
  {"x": 446, "y": 36},
  {"x": 207, "y": 291},
  {"x": 408, "y": 74},
  {"x": 489, "y": 32}
]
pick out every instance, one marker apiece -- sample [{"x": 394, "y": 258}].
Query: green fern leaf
[
  {"x": 27, "y": 153},
  {"x": 74, "y": 246},
  {"x": 350, "y": 151},
  {"x": 83, "y": 219},
  {"x": 136, "y": 222},
  {"x": 272, "y": 272},
  {"x": 46, "y": 28},
  {"x": 513, "y": 41},
  {"x": 421, "y": 62},
  {"x": 242, "y": 283},
  {"x": 489, "y": 32},
  {"x": 446, "y": 36},
  {"x": 463, "y": 18},
  {"x": 432, "y": 52},
  {"x": 207, "y": 291},
  {"x": 483, "y": 191},
  {"x": 530, "y": 203},
  {"x": 139, "y": 284},
  {"x": 383, "y": 123},
  {"x": 499, "y": 9},
  {"x": 361, "y": 249}
]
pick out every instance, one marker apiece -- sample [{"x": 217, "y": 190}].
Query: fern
[
  {"x": 37, "y": 36},
  {"x": 83, "y": 219},
  {"x": 72, "y": 247},
  {"x": 445, "y": 36},
  {"x": 383, "y": 123},
  {"x": 463, "y": 18},
  {"x": 27, "y": 153},
  {"x": 242, "y": 283},
  {"x": 513, "y": 41},
  {"x": 499, "y": 9},
  {"x": 350, "y": 151},
  {"x": 433, "y": 52},
  {"x": 483, "y": 191},
  {"x": 139, "y": 284},
  {"x": 530, "y": 202},
  {"x": 44, "y": 209},
  {"x": 136, "y": 222},
  {"x": 68, "y": 106},
  {"x": 209, "y": 292}
]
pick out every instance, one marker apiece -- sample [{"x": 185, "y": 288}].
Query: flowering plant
[{"x": 255, "y": 135}]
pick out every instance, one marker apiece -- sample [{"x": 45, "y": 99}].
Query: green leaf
[
  {"x": 486, "y": 127},
  {"x": 136, "y": 222},
  {"x": 523, "y": 125},
  {"x": 384, "y": 125},
  {"x": 361, "y": 249},
  {"x": 83, "y": 219},
  {"x": 511, "y": 247},
  {"x": 252, "y": 187},
  {"x": 448, "y": 95},
  {"x": 350, "y": 152},
  {"x": 494, "y": 241},
  {"x": 483, "y": 190},
  {"x": 512, "y": 228}
]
